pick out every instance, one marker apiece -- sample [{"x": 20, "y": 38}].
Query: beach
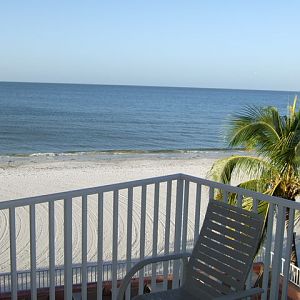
[{"x": 39, "y": 175}]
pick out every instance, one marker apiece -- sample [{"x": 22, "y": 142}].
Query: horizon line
[{"x": 150, "y": 86}]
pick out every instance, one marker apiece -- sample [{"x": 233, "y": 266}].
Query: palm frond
[
  {"x": 255, "y": 126},
  {"x": 223, "y": 170},
  {"x": 258, "y": 185},
  {"x": 262, "y": 207}
]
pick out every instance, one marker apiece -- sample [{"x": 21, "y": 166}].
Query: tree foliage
[{"x": 275, "y": 140}]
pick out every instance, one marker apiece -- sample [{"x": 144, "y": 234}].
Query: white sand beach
[{"x": 34, "y": 176}]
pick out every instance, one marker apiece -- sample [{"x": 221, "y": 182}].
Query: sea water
[{"x": 55, "y": 119}]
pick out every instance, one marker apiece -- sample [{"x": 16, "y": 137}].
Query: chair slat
[
  {"x": 216, "y": 284},
  {"x": 236, "y": 209},
  {"x": 225, "y": 250},
  {"x": 227, "y": 241},
  {"x": 247, "y": 230},
  {"x": 243, "y": 217},
  {"x": 220, "y": 256},
  {"x": 217, "y": 264},
  {"x": 225, "y": 278},
  {"x": 231, "y": 233}
]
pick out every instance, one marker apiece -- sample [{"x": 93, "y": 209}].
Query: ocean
[{"x": 57, "y": 119}]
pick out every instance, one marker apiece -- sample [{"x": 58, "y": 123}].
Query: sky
[{"x": 224, "y": 44}]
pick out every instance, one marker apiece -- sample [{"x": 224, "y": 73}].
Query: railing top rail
[
  {"x": 124, "y": 185},
  {"x": 238, "y": 190},
  {"x": 87, "y": 191}
]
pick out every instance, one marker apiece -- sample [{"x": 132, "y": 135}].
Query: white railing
[
  {"x": 42, "y": 275},
  {"x": 162, "y": 215}
]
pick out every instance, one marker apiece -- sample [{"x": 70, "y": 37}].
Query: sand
[
  {"x": 25, "y": 177},
  {"x": 30, "y": 177}
]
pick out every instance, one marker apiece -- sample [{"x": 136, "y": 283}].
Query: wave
[{"x": 121, "y": 152}]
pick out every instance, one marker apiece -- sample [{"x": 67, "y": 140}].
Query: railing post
[
  {"x": 276, "y": 265},
  {"x": 142, "y": 235},
  {"x": 155, "y": 235},
  {"x": 178, "y": 227},
  {"x": 268, "y": 254},
  {"x": 100, "y": 247},
  {"x": 13, "y": 253},
  {"x": 286, "y": 270},
  {"x": 197, "y": 213},
  {"x": 68, "y": 276},
  {"x": 211, "y": 195},
  {"x": 167, "y": 233},
  {"x": 33, "y": 253},
  {"x": 51, "y": 250},
  {"x": 115, "y": 243},
  {"x": 239, "y": 200},
  {"x": 129, "y": 236},
  {"x": 84, "y": 248},
  {"x": 185, "y": 214}
]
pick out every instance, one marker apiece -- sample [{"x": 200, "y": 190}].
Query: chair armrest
[
  {"x": 141, "y": 264},
  {"x": 241, "y": 294}
]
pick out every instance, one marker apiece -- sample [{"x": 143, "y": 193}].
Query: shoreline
[
  {"x": 16, "y": 160},
  {"x": 32, "y": 176}
]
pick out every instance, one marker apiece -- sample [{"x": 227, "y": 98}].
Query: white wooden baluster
[
  {"x": 225, "y": 196},
  {"x": 197, "y": 213},
  {"x": 100, "y": 247},
  {"x": 33, "y": 252},
  {"x": 286, "y": 270},
  {"x": 276, "y": 265},
  {"x": 267, "y": 260},
  {"x": 184, "y": 220},
  {"x": 22, "y": 283},
  {"x": 129, "y": 236},
  {"x": 177, "y": 239},
  {"x": 51, "y": 251},
  {"x": 211, "y": 193},
  {"x": 84, "y": 248},
  {"x": 155, "y": 233},
  {"x": 185, "y": 214},
  {"x": 239, "y": 200},
  {"x": 249, "y": 279},
  {"x": 142, "y": 236},
  {"x": 167, "y": 233},
  {"x": 68, "y": 249},
  {"x": 13, "y": 258},
  {"x": 255, "y": 205},
  {"x": 115, "y": 243}
]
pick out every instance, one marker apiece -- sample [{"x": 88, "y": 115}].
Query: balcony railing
[{"x": 171, "y": 208}]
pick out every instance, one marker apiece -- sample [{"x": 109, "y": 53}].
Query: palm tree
[{"x": 274, "y": 169}]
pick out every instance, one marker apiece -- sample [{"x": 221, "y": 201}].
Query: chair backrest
[{"x": 224, "y": 252}]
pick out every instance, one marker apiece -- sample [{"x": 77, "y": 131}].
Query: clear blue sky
[{"x": 251, "y": 44}]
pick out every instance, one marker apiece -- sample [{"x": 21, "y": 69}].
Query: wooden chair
[{"x": 221, "y": 259}]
